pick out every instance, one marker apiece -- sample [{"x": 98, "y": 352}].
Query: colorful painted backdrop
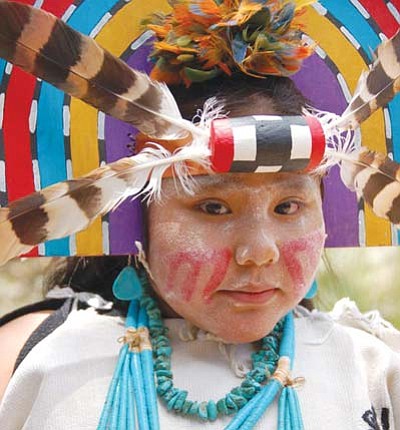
[{"x": 47, "y": 137}]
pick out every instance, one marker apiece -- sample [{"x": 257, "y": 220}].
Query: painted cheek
[
  {"x": 301, "y": 254},
  {"x": 187, "y": 268},
  {"x": 221, "y": 260},
  {"x": 187, "y": 263}
]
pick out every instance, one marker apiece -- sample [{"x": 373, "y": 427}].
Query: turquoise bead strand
[
  {"x": 264, "y": 365},
  {"x": 131, "y": 401},
  {"x": 289, "y": 414}
]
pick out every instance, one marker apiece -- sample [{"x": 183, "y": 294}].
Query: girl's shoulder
[
  {"x": 16, "y": 329},
  {"x": 354, "y": 356},
  {"x": 368, "y": 329},
  {"x": 25, "y": 328},
  {"x": 348, "y": 338}
]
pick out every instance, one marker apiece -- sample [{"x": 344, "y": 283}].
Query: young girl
[{"x": 225, "y": 266}]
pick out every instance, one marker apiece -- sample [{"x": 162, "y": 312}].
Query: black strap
[
  {"x": 61, "y": 307},
  {"x": 45, "y": 305},
  {"x": 47, "y": 326},
  {"x": 53, "y": 321}
]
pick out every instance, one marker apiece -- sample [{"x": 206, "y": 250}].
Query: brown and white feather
[
  {"x": 46, "y": 47},
  {"x": 69, "y": 207},
  {"x": 376, "y": 87},
  {"x": 376, "y": 179},
  {"x": 373, "y": 176}
]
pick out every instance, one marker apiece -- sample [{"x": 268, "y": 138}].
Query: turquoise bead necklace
[
  {"x": 145, "y": 359},
  {"x": 264, "y": 363}
]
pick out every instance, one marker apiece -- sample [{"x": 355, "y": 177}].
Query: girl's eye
[
  {"x": 287, "y": 208},
  {"x": 212, "y": 207}
]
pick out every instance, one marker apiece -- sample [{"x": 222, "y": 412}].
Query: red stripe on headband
[
  {"x": 221, "y": 145},
  {"x": 318, "y": 142}
]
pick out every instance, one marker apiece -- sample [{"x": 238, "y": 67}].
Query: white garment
[{"x": 63, "y": 381}]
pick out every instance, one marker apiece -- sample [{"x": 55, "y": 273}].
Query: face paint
[
  {"x": 185, "y": 268},
  {"x": 221, "y": 263},
  {"x": 301, "y": 254},
  {"x": 195, "y": 240},
  {"x": 180, "y": 264}
]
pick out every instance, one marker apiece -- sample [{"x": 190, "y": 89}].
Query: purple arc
[
  {"x": 315, "y": 79},
  {"x": 126, "y": 222},
  {"x": 320, "y": 85}
]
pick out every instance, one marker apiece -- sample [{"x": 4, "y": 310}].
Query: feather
[
  {"x": 376, "y": 179},
  {"x": 375, "y": 87},
  {"x": 373, "y": 176},
  {"x": 46, "y": 47},
  {"x": 41, "y": 216}
]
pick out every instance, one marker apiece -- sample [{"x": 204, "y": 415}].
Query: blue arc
[
  {"x": 49, "y": 133},
  {"x": 351, "y": 18}
]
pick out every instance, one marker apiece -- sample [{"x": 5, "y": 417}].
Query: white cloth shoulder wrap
[{"x": 62, "y": 383}]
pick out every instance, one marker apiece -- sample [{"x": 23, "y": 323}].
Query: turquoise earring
[
  {"x": 131, "y": 400},
  {"x": 312, "y": 292},
  {"x": 127, "y": 285}
]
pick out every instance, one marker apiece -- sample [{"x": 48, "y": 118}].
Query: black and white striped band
[{"x": 266, "y": 143}]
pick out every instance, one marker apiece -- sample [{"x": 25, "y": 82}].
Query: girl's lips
[{"x": 260, "y": 297}]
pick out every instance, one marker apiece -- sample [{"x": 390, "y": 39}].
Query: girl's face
[{"x": 238, "y": 255}]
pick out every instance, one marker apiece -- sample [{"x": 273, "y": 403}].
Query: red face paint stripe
[
  {"x": 318, "y": 142},
  {"x": 221, "y": 143},
  {"x": 292, "y": 262},
  {"x": 192, "y": 267},
  {"x": 191, "y": 264},
  {"x": 307, "y": 250},
  {"x": 222, "y": 259}
]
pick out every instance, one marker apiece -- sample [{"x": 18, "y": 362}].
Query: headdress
[
  {"x": 34, "y": 155},
  {"x": 55, "y": 151},
  {"x": 202, "y": 39}
]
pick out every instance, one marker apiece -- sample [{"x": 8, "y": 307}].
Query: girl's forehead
[{"x": 249, "y": 181}]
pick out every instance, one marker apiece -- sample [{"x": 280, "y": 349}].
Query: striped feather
[
  {"x": 376, "y": 179},
  {"x": 71, "y": 206},
  {"x": 376, "y": 87},
  {"x": 46, "y": 47},
  {"x": 373, "y": 176}
]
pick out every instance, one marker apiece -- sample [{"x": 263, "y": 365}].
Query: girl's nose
[{"x": 257, "y": 247}]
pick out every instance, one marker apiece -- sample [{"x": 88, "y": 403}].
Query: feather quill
[
  {"x": 40, "y": 217},
  {"x": 46, "y": 47}
]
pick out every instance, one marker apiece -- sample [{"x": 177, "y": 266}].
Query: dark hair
[
  {"x": 237, "y": 92},
  {"x": 89, "y": 274}
]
